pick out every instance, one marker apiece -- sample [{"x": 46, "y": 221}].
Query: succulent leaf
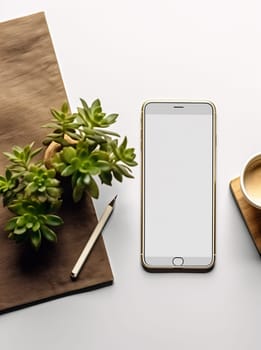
[
  {"x": 36, "y": 239},
  {"x": 48, "y": 234},
  {"x": 53, "y": 220}
]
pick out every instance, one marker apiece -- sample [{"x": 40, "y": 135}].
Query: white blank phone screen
[{"x": 178, "y": 172}]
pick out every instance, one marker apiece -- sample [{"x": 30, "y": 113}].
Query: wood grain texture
[
  {"x": 251, "y": 215},
  {"x": 31, "y": 83}
]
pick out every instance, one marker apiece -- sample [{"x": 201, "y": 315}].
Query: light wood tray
[{"x": 251, "y": 215}]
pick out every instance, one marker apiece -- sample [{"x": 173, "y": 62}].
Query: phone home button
[{"x": 178, "y": 261}]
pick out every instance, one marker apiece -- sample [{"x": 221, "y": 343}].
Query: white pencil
[{"x": 93, "y": 238}]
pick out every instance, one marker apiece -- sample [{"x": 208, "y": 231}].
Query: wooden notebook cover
[
  {"x": 251, "y": 215},
  {"x": 30, "y": 84}
]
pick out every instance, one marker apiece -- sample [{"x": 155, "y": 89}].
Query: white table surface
[{"x": 126, "y": 52}]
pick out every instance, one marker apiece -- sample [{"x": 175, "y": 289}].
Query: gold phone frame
[{"x": 187, "y": 268}]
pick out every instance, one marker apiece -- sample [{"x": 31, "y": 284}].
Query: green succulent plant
[
  {"x": 88, "y": 151},
  {"x": 63, "y": 123},
  {"x": 8, "y": 184},
  {"x": 32, "y": 193},
  {"x": 31, "y": 222},
  {"x": 95, "y": 154},
  {"x": 41, "y": 185}
]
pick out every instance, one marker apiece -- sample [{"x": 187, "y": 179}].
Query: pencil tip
[
  {"x": 113, "y": 201},
  {"x": 73, "y": 276}
]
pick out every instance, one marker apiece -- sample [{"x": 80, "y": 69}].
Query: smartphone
[{"x": 178, "y": 144}]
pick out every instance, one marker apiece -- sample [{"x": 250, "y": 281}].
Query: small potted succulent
[{"x": 80, "y": 151}]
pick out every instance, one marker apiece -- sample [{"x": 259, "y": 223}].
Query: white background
[{"x": 126, "y": 52}]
